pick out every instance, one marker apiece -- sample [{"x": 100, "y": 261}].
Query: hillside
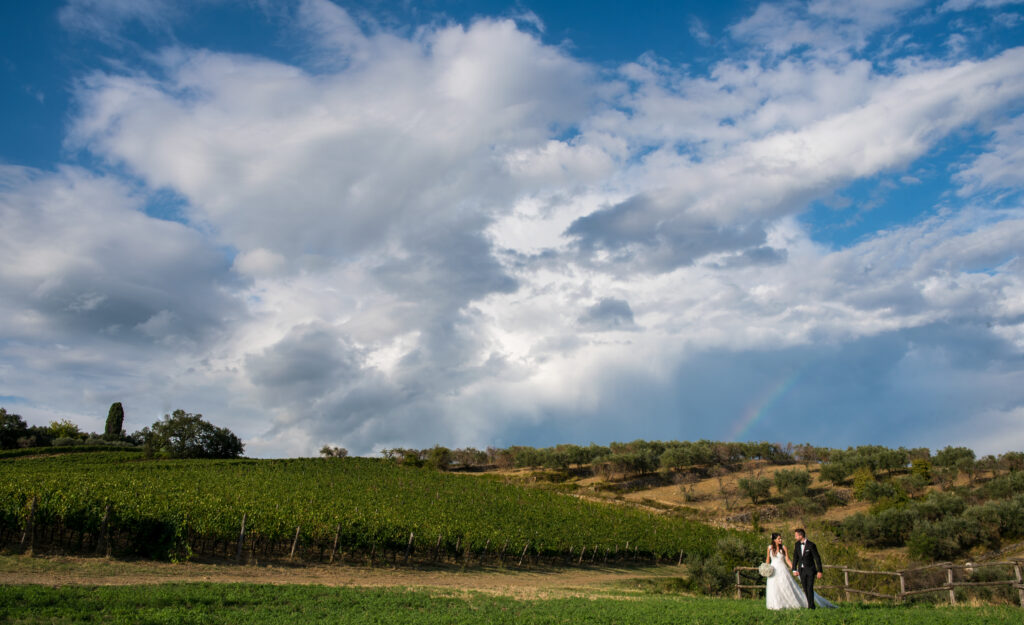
[
  {"x": 320, "y": 509},
  {"x": 891, "y": 507}
]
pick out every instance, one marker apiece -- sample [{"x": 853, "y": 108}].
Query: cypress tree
[{"x": 115, "y": 420}]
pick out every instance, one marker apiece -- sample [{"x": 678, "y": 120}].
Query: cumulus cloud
[
  {"x": 608, "y": 313},
  {"x": 462, "y": 235}
]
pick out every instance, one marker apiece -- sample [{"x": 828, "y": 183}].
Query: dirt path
[{"x": 532, "y": 583}]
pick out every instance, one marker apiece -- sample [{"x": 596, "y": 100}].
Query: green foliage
[
  {"x": 712, "y": 574},
  {"x": 64, "y": 429},
  {"x": 940, "y": 527},
  {"x": 1004, "y": 486},
  {"x": 327, "y": 451},
  {"x": 792, "y": 483},
  {"x": 800, "y": 506},
  {"x": 377, "y": 504},
  {"x": 875, "y": 491},
  {"x": 835, "y": 472},
  {"x": 12, "y": 427},
  {"x": 922, "y": 468},
  {"x": 1012, "y": 461},
  {"x": 755, "y": 488},
  {"x": 231, "y": 604},
  {"x": 114, "y": 428},
  {"x": 913, "y": 485},
  {"x": 439, "y": 458},
  {"x": 863, "y": 478},
  {"x": 952, "y": 456},
  {"x": 186, "y": 435},
  {"x": 76, "y": 449}
]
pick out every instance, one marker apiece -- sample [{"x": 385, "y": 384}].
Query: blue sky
[{"x": 388, "y": 224}]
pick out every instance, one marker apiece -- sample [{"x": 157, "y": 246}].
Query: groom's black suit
[{"x": 807, "y": 563}]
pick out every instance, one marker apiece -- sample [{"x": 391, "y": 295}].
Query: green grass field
[{"x": 297, "y": 605}]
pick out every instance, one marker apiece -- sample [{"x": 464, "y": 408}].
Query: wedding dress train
[{"x": 783, "y": 591}]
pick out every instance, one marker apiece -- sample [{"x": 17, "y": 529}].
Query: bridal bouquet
[{"x": 766, "y": 570}]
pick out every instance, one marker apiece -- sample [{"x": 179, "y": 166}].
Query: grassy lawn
[{"x": 295, "y": 605}]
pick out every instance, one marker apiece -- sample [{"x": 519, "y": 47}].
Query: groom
[{"x": 806, "y": 564}]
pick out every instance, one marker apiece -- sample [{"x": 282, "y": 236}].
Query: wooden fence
[{"x": 943, "y": 578}]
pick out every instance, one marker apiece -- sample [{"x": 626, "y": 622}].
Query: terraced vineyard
[{"x": 355, "y": 507}]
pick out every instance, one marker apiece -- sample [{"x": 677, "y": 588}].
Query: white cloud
[
  {"x": 105, "y": 18},
  {"x": 466, "y": 236},
  {"x": 963, "y": 5},
  {"x": 1002, "y": 167}
]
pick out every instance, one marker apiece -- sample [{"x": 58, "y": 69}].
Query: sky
[{"x": 390, "y": 224}]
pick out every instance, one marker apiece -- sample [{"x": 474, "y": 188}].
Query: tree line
[{"x": 177, "y": 435}]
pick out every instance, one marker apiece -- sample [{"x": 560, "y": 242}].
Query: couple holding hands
[{"x": 782, "y": 590}]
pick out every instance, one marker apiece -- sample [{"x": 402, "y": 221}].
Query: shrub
[
  {"x": 875, "y": 491},
  {"x": 439, "y": 458},
  {"x": 835, "y": 472},
  {"x": 798, "y": 506},
  {"x": 863, "y": 478},
  {"x": 792, "y": 483},
  {"x": 921, "y": 468},
  {"x": 755, "y": 488},
  {"x": 951, "y": 456},
  {"x": 713, "y": 574},
  {"x": 913, "y": 484}
]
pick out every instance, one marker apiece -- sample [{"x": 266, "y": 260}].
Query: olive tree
[{"x": 186, "y": 435}]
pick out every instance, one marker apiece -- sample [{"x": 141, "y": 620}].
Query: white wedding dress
[{"x": 783, "y": 591}]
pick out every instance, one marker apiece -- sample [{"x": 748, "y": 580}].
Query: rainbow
[{"x": 759, "y": 407}]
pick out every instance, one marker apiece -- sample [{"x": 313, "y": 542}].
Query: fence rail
[{"x": 951, "y": 583}]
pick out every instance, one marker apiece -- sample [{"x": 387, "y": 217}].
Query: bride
[{"x": 782, "y": 591}]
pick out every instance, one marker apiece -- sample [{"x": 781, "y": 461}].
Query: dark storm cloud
[
  {"x": 308, "y": 362},
  {"x": 98, "y": 266},
  {"x": 608, "y": 314},
  {"x": 637, "y": 234},
  {"x": 874, "y": 390},
  {"x": 756, "y": 256}
]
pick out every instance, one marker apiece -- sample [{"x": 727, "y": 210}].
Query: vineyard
[{"x": 318, "y": 509}]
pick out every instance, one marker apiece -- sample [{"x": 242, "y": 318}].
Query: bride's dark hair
[{"x": 773, "y": 547}]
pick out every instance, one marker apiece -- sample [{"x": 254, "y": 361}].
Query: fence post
[
  {"x": 739, "y": 591},
  {"x": 1020, "y": 588},
  {"x": 903, "y": 588},
  {"x": 241, "y": 539},
  {"x": 846, "y": 583},
  {"x": 949, "y": 582}
]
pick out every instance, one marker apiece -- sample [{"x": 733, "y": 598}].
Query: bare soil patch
[{"x": 533, "y": 583}]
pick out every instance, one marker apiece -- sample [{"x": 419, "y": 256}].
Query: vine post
[
  {"x": 295, "y": 542},
  {"x": 334, "y": 549},
  {"x": 29, "y": 535},
  {"x": 241, "y": 540},
  {"x": 103, "y": 542}
]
